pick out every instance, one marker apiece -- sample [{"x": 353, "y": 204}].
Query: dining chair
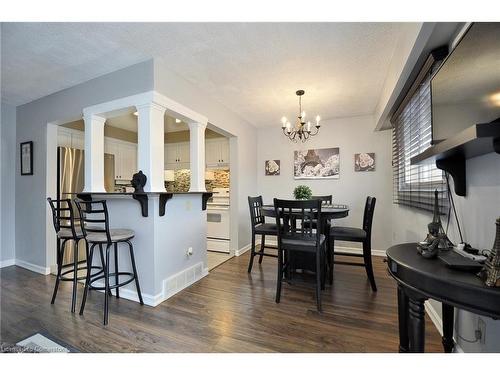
[
  {"x": 302, "y": 238},
  {"x": 362, "y": 235},
  {"x": 259, "y": 227}
]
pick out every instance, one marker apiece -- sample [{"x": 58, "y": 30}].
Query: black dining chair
[
  {"x": 301, "y": 238},
  {"x": 362, "y": 235},
  {"x": 259, "y": 227}
]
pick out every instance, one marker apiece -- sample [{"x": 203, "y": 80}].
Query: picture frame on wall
[
  {"x": 364, "y": 162},
  {"x": 323, "y": 163},
  {"x": 26, "y": 153},
  {"x": 273, "y": 167}
]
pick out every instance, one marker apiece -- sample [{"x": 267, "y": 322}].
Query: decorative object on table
[
  {"x": 437, "y": 238},
  {"x": 273, "y": 167},
  {"x": 364, "y": 162},
  {"x": 491, "y": 270},
  {"x": 302, "y": 129},
  {"x": 321, "y": 163},
  {"x": 139, "y": 181},
  {"x": 302, "y": 192},
  {"x": 26, "y": 151}
]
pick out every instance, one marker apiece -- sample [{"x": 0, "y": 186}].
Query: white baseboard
[
  {"x": 243, "y": 250},
  {"x": 32, "y": 267},
  {"x": 7, "y": 263},
  {"x": 438, "y": 322},
  {"x": 352, "y": 250}
]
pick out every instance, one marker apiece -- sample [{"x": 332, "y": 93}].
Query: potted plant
[{"x": 302, "y": 192}]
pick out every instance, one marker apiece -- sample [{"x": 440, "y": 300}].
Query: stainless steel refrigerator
[{"x": 70, "y": 179}]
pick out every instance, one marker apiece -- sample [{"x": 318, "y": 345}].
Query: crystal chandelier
[{"x": 302, "y": 129}]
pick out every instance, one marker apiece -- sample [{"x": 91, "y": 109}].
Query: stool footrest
[
  {"x": 80, "y": 277},
  {"x": 114, "y": 286}
]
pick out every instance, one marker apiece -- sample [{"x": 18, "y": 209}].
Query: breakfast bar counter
[{"x": 170, "y": 239}]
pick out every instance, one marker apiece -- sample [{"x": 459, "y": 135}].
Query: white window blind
[{"x": 414, "y": 185}]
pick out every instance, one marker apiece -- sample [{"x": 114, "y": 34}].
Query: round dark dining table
[{"x": 328, "y": 211}]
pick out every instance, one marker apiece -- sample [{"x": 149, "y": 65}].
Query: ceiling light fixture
[
  {"x": 177, "y": 121},
  {"x": 302, "y": 129}
]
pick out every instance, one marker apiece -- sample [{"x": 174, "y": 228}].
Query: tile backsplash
[{"x": 182, "y": 177}]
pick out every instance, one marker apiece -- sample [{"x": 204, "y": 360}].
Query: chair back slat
[
  {"x": 63, "y": 216},
  {"x": 256, "y": 215},
  {"x": 325, "y": 199},
  {"x": 368, "y": 215},
  {"x": 294, "y": 219},
  {"x": 94, "y": 217}
]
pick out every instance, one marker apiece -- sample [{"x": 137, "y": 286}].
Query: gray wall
[
  {"x": 243, "y": 144},
  {"x": 351, "y": 135},
  {"x": 32, "y": 119},
  {"x": 8, "y": 173},
  {"x": 477, "y": 214}
]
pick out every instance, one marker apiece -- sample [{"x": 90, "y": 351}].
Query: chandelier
[{"x": 302, "y": 129}]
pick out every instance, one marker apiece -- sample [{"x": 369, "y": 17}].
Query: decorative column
[
  {"x": 94, "y": 153},
  {"x": 150, "y": 148},
  {"x": 197, "y": 156}
]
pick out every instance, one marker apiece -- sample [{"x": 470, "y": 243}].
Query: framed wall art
[
  {"x": 273, "y": 167},
  {"x": 26, "y": 151},
  {"x": 364, "y": 162},
  {"x": 323, "y": 163}
]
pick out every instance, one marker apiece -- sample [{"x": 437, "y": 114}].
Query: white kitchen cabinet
[
  {"x": 125, "y": 158},
  {"x": 70, "y": 138},
  {"x": 217, "y": 152},
  {"x": 176, "y": 155}
]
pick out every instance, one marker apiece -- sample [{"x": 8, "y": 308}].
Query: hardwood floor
[{"x": 227, "y": 311}]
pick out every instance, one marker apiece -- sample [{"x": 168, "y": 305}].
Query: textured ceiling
[{"x": 252, "y": 68}]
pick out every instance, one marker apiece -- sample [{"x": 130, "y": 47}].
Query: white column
[
  {"x": 197, "y": 155},
  {"x": 150, "y": 145},
  {"x": 94, "y": 153}
]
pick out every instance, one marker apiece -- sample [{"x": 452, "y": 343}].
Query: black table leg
[
  {"x": 447, "y": 312},
  {"x": 416, "y": 324},
  {"x": 403, "y": 320}
]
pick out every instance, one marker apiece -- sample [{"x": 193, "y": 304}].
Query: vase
[{"x": 491, "y": 270}]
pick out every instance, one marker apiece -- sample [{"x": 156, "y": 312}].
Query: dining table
[{"x": 329, "y": 212}]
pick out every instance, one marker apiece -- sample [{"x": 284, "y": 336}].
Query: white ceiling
[{"x": 252, "y": 68}]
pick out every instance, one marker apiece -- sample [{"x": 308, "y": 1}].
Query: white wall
[
  {"x": 8, "y": 158},
  {"x": 477, "y": 214},
  {"x": 352, "y": 135},
  {"x": 243, "y": 144}
]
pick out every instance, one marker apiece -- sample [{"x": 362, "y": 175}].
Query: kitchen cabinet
[
  {"x": 176, "y": 155},
  {"x": 70, "y": 138},
  {"x": 217, "y": 152},
  {"x": 125, "y": 158}
]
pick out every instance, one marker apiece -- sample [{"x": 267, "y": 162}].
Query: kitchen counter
[{"x": 143, "y": 198}]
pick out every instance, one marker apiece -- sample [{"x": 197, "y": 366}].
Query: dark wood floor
[{"x": 227, "y": 311}]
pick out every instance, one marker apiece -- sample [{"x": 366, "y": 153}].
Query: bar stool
[
  {"x": 94, "y": 220},
  {"x": 64, "y": 225}
]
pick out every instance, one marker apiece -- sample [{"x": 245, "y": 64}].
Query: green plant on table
[{"x": 302, "y": 192}]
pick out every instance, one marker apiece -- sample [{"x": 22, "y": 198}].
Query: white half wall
[
  {"x": 352, "y": 135},
  {"x": 8, "y": 158}
]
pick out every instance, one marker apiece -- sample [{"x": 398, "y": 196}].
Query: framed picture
[
  {"x": 320, "y": 163},
  {"x": 27, "y": 158},
  {"x": 273, "y": 167},
  {"x": 364, "y": 162}
]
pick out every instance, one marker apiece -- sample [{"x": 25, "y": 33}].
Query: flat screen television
[{"x": 466, "y": 88}]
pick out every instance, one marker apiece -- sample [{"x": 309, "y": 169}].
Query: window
[{"x": 414, "y": 185}]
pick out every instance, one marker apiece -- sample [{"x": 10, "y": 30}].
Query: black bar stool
[
  {"x": 94, "y": 221},
  {"x": 64, "y": 224}
]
